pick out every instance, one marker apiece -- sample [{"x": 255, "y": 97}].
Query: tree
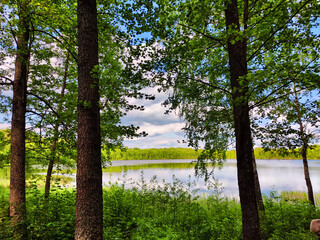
[
  {"x": 17, "y": 168},
  {"x": 222, "y": 59},
  {"x": 237, "y": 51},
  {"x": 89, "y": 173},
  {"x": 56, "y": 133},
  {"x": 292, "y": 126}
]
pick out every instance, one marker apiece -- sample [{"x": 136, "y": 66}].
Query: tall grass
[
  {"x": 159, "y": 210},
  {"x": 299, "y": 196}
]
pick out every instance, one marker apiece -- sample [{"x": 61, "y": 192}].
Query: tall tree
[
  {"x": 292, "y": 127},
  {"x": 89, "y": 173},
  {"x": 17, "y": 167},
  {"x": 56, "y": 133},
  {"x": 237, "y": 51},
  {"x": 222, "y": 61}
]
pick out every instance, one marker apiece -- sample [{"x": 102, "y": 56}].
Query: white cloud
[
  {"x": 4, "y": 126},
  {"x": 164, "y": 130},
  {"x": 156, "y": 130}
]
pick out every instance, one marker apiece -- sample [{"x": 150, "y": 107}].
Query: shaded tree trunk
[
  {"x": 17, "y": 168},
  {"x": 257, "y": 184},
  {"x": 306, "y": 174},
  {"x": 238, "y": 69},
  {"x": 55, "y": 137},
  {"x": 89, "y": 172},
  {"x": 304, "y": 139}
]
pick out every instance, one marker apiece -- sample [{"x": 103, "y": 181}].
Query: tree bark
[
  {"x": 304, "y": 151},
  {"x": 55, "y": 137},
  {"x": 257, "y": 184},
  {"x": 238, "y": 69},
  {"x": 17, "y": 168},
  {"x": 89, "y": 172},
  {"x": 307, "y": 175}
]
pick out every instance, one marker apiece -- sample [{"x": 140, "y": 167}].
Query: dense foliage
[
  {"x": 158, "y": 212},
  {"x": 223, "y": 61},
  {"x": 67, "y": 157},
  {"x": 189, "y": 153}
]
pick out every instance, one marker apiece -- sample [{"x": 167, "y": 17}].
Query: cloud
[
  {"x": 157, "y": 130},
  {"x": 5, "y": 125},
  {"x": 160, "y": 141},
  {"x": 164, "y": 130}
]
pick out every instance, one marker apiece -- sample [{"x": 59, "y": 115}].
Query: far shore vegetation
[{"x": 189, "y": 153}]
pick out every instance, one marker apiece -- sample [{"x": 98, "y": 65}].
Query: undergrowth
[{"x": 159, "y": 210}]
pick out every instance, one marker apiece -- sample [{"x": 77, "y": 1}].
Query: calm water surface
[{"x": 274, "y": 175}]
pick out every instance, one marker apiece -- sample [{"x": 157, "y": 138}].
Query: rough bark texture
[
  {"x": 55, "y": 137},
  {"x": 244, "y": 145},
  {"x": 89, "y": 172},
  {"x": 17, "y": 168}
]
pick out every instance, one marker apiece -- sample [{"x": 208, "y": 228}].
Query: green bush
[{"x": 154, "y": 210}]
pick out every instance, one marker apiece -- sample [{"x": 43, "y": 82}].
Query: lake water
[{"x": 274, "y": 175}]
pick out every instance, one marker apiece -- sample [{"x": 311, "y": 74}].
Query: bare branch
[{"x": 7, "y": 81}]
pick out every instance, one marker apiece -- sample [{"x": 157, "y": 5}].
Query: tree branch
[
  {"x": 274, "y": 32},
  {"x": 47, "y": 103},
  {"x": 205, "y": 35},
  {"x": 58, "y": 40},
  {"x": 9, "y": 83},
  {"x": 282, "y": 86},
  {"x": 210, "y": 85}
]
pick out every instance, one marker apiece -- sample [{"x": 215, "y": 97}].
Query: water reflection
[{"x": 274, "y": 175}]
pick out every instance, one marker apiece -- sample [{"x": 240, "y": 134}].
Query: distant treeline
[
  {"x": 154, "y": 153},
  {"x": 189, "y": 153}
]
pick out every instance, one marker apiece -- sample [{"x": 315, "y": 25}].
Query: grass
[
  {"x": 156, "y": 210},
  {"x": 33, "y": 178},
  {"x": 299, "y": 196}
]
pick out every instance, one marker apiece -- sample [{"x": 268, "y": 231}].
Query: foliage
[
  {"x": 287, "y": 219},
  {"x": 290, "y": 123},
  {"x": 185, "y": 44},
  {"x": 188, "y": 153},
  {"x": 153, "y": 153},
  {"x": 313, "y": 153},
  {"x": 55, "y": 221},
  {"x": 157, "y": 210},
  {"x": 5, "y": 150}
]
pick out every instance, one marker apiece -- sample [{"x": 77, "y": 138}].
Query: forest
[{"x": 239, "y": 74}]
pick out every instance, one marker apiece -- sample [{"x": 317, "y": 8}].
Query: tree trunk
[
  {"x": 238, "y": 70},
  {"x": 306, "y": 174},
  {"x": 89, "y": 172},
  {"x": 257, "y": 184},
  {"x": 304, "y": 150},
  {"x": 17, "y": 168},
  {"x": 55, "y": 137}
]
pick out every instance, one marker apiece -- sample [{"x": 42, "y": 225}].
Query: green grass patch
[{"x": 157, "y": 210}]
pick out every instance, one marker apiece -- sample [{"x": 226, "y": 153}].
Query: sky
[{"x": 163, "y": 130}]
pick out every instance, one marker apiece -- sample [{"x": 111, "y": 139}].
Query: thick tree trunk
[
  {"x": 89, "y": 172},
  {"x": 17, "y": 169},
  {"x": 238, "y": 70},
  {"x": 55, "y": 137}
]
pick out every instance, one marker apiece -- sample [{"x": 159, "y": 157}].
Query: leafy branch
[{"x": 276, "y": 31}]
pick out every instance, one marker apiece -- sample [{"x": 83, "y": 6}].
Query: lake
[{"x": 274, "y": 175}]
